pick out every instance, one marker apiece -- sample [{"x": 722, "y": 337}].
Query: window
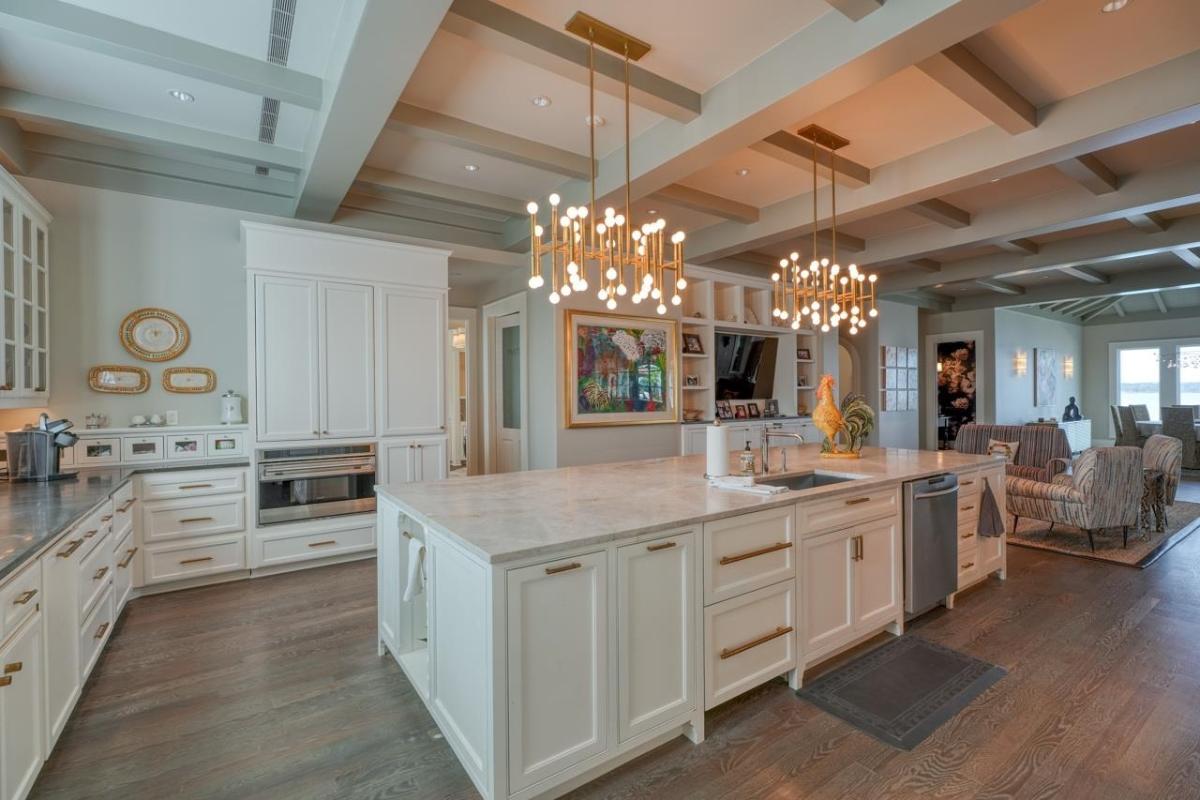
[
  {"x": 1138, "y": 378},
  {"x": 1189, "y": 375}
]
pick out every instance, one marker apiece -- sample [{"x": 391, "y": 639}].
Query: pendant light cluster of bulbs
[
  {"x": 823, "y": 293},
  {"x": 579, "y": 238}
]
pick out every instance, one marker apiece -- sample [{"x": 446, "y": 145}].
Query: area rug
[
  {"x": 1145, "y": 547},
  {"x": 904, "y": 690}
]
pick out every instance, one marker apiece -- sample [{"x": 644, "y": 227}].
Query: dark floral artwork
[{"x": 955, "y": 389}]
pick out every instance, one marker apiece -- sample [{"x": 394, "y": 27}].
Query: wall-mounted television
[{"x": 745, "y": 366}]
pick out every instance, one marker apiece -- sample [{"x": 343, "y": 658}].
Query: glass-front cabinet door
[
  {"x": 10, "y": 309},
  {"x": 24, "y": 297}
]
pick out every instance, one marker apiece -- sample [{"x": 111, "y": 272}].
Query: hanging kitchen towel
[
  {"x": 991, "y": 521},
  {"x": 416, "y": 569}
]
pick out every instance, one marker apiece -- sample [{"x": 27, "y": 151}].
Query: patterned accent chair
[
  {"x": 1042, "y": 452},
  {"x": 1165, "y": 454},
  {"x": 1103, "y": 491},
  {"x": 1179, "y": 422},
  {"x": 1128, "y": 434}
]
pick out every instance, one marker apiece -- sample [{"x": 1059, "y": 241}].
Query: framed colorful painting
[{"x": 621, "y": 370}]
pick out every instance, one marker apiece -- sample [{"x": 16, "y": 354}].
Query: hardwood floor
[{"x": 272, "y": 689}]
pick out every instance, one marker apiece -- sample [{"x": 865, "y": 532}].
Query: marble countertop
[
  {"x": 517, "y": 515},
  {"x": 34, "y": 515}
]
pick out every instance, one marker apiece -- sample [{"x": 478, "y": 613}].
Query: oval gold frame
[
  {"x": 210, "y": 382},
  {"x": 96, "y": 386},
  {"x": 182, "y": 334}
]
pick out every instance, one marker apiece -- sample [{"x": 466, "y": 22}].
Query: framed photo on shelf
[
  {"x": 802, "y": 381},
  {"x": 803, "y": 354},
  {"x": 772, "y": 409},
  {"x": 739, "y": 411},
  {"x": 691, "y": 380},
  {"x": 724, "y": 409},
  {"x": 692, "y": 344},
  {"x": 753, "y": 411}
]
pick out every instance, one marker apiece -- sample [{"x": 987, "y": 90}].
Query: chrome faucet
[{"x": 766, "y": 443}]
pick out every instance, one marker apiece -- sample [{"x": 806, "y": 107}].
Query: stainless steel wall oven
[{"x": 302, "y": 483}]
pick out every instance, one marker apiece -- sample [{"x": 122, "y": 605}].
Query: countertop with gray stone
[{"x": 34, "y": 515}]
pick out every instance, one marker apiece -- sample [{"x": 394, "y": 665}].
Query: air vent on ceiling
[{"x": 279, "y": 42}]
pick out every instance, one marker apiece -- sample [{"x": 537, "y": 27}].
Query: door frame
[
  {"x": 513, "y": 304},
  {"x": 470, "y": 319}
]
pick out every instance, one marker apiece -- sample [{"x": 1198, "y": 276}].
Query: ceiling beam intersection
[{"x": 959, "y": 70}]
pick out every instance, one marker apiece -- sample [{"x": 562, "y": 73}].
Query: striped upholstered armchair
[
  {"x": 1042, "y": 450},
  {"x": 1103, "y": 491}
]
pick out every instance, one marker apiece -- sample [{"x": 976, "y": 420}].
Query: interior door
[
  {"x": 506, "y": 394},
  {"x": 347, "y": 360},
  {"x": 285, "y": 323}
]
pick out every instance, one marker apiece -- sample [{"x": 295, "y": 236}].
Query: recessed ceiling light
[
  {"x": 471, "y": 167},
  {"x": 541, "y": 101},
  {"x": 598, "y": 121},
  {"x": 1113, "y": 5},
  {"x": 652, "y": 211},
  {"x": 743, "y": 172},
  {"x": 182, "y": 96},
  {"x": 993, "y": 180}
]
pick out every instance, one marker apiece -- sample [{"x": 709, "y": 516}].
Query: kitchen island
[{"x": 572, "y": 619}]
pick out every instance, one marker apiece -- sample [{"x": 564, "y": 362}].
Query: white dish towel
[{"x": 416, "y": 570}]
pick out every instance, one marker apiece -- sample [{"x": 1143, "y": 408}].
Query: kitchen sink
[{"x": 806, "y": 480}]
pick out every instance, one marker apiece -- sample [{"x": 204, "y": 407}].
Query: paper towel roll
[{"x": 717, "y": 449}]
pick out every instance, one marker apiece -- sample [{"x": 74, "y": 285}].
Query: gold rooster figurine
[{"x": 854, "y": 420}]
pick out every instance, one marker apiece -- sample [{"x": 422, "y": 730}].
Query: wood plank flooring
[{"x": 272, "y": 689}]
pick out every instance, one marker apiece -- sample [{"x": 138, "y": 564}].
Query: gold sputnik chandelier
[
  {"x": 823, "y": 293},
  {"x": 580, "y": 238}
]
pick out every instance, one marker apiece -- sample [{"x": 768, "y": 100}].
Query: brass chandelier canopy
[
  {"x": 823, "y": 293},
  {"x": 580, "y": 237}
]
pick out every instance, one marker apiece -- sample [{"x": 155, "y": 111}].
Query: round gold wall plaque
[{"x": 154, "y": 334}]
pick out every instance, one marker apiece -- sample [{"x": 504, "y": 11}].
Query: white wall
[
  {"x": 1020, "y": 332},
  {"x": 896, "y": 326}
]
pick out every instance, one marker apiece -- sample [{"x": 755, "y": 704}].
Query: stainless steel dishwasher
[{"x": 930, "y": 542}]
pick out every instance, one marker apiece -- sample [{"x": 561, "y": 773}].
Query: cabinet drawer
[
  {"x": 94, "y": 528},
  {"x": 163, "y": 520},
  {"x": 193, "y": 483},
  {"x": 93, "y": 633},
  {"x": 142, "y": 448},
  {"x": 968, "y": 485},
  {"x": 95, "y": 574},
  {"x": 123, "y": 565},
  {"x": 226, "y": 443},
  {"x": 322, "y": 544},
  {"x": 174, "y": 562},
  {"x": 19, "y": 598},
  {"x": 968, "y": 539},
  {"x": 748, "y": 552},
  {"x": 101, "y": 450},
  {"x": 123, "y": 502},
  {"x": 968, "y": 566},
  {"x": 182, "y": 446},
  {"x": 748, "y": 640},
  {"x": 846, "y": 510}
]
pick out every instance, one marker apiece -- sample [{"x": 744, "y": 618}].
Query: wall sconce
[
  {"x": 1069, "y": 367},
  {"x": 1020, "y": 362},
  {"x": 939, "y": 366}
]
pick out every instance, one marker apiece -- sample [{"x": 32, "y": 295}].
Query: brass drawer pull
[
  {"x": 858, "y": 548},
  {"x": 125, "y": 506},
  {"x": 563, "y": 568},
  {"x": 15, "y": 666},
  {"x": 967, "y": 536},
  {"x": 725, "y": 560},
  {"x": 966, "y": 483},
  {"x": 966, "y": 508},
  {"x": 196, "y": 486},
  {"x": 195, "y": 519},
  {"x": 25, "y": 597},
  {"x": 129, "y": 554},
  {"x": 101, "y": 631},
  {"x": 325, "y": 543},
  {"x": 6, "y": 680},
  {"x": 730, "y": 652},
  {"x": 106, "y": 517},
  {"x": 70, "y": 549},
  {"x": 195, "y": 560},
  {"x": 100, "y": 573},
  {"x": 967, "y": 565},
  {"x": 653, "y": 548},
  {"x": 90, "y": 534},
  {"x": 858, "y": 500}
]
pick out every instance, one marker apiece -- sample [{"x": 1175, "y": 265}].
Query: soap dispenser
[{"x": 747, "y": 460}]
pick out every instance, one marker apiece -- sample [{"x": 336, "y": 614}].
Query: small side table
[{"x": 1154, "y": 500}]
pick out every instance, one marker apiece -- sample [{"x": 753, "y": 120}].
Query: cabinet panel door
[
  {"x": 828, "y": 584},
  {"x": 431, "y": 459},
  {"x": 286, "y": 385},
  {"x": 877, "y": 594},
  {"x": 347, "y": 360},
  {"x": 388, "y": 541},
  {"x": 397, "y": 462},
  {"x": 21, "y": 711},
  {"x": 557, "y": 666},
  {"x": 656, "y": 603},
  {"x": 992, "y": 548},
  {"x": 60, "y": 619},
  {"x": 413, "y": 354}
]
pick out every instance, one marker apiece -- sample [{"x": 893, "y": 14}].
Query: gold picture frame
[
  {"x": 189, "y": 380},
  {"x": 154, "y": 334},
  {"x": 118, "y": 379},
  {"x": 592, "y": 400}
]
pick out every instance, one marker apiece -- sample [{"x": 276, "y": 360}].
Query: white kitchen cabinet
[
  {"x": 123, "y": 557},
  {"x": 412, "y": 348},
  {"x": 60, "y": 614},
  {"x": 748, "y": 640},
  {"x": 695, "y": 439},
  {"x": 24, "y": 297},
  {"x": 748, "y": 552},
  {"x": 414, "y": 459},
  {"x": 347, "y": 360},
  {"x": 877, "y": 581},
  {"x": 827, "y": 587},
  {"x": 22, "y": 710},
  {"x": 656, "y": 611},
  {"x": 557, "y": 666},
  {"x": 992, "y": 549},
  {"x": 287, "y": 375}
]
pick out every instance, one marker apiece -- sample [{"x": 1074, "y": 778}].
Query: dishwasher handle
[{"x": 951, "y": 490}]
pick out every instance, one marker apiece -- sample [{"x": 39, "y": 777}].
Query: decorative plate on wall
[
  {"x": 154, "y": 334},
  {"x": 116, "y": 379},
  {"x": 189, "y": 380}
]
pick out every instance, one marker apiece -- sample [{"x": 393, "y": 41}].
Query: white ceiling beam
[
  {"x": 1183, "y": 313},
  {"x": 855, "y": 9},
  {"x": 1108, "y": 303},
  {"x": 1001, "y": 287},
  {"x": 1090, "y": 172},
  {"x": 1085, "y": 274},
  {"x": 83, "y": 28},
  {"x": 422, "y": 123},
  {"x": 419, "y": 187},
  {"x": 927, "y": 264},
  {"x": 1091, "y": 305},
  {"x": 922, "y": 298},
  {"x": 798, "y": 152},
  {"x": 1158, "y": 301},
  {"x": 127, "y": 127},
  {"x": 959, "y": 70},
  {"x": 12, "y": 148},
  {"x": 1150, "y": 223},
  {"x": 1120, "y": 309},
  {"x": 417, "y": 229},
  {"x": 704, "y": 202},
  {"x": 496, "y": 27},
  {"x": 941, "y": 212},
  {"x": 1139, "y": 105},
  {"x": 1070, "y": 307},
  {"x": 1188, "y": 257},
  {"x": 421, "y": 213},
  {"x": 1019, "y": 246},
  {"x": 376, "y": 49},
  {"x": 1139, "y": 282}
]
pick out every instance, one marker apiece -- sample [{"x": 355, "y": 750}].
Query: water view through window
[
  {"x": 1137, "y": 371},
  {"x": 1189, "y": 376}
]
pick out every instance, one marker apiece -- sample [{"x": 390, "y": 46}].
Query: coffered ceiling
[{"x": 1015, "y": 153}]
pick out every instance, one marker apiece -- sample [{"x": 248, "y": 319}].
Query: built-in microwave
[{"x": 302, "y": 483}]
